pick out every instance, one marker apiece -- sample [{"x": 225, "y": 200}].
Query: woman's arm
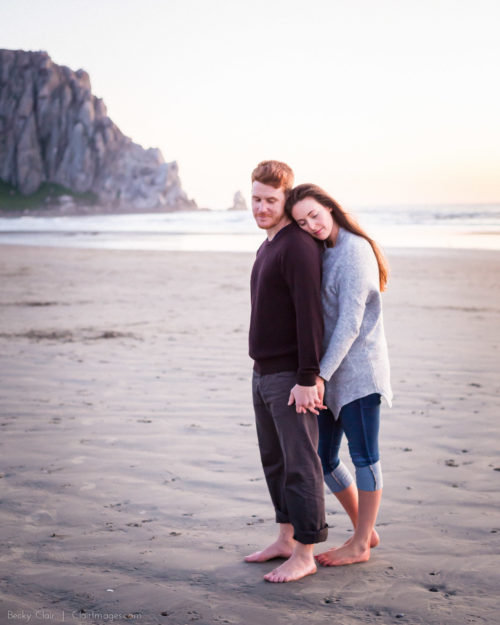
[{"x": 356, "y": 279}]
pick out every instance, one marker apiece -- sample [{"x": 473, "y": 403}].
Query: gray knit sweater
[{"x": 355, "y": 362}]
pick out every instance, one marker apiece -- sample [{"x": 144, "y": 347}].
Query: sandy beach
[{"x": 131, "y": 486}]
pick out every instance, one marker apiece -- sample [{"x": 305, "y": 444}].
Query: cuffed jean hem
[
  {"x": 370, "y": 477},
  {"x": 308, "y": 538},
  {"x": 339, "y": 479}
]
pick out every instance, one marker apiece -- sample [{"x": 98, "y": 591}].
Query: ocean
[{"x": 460, "y": 226}]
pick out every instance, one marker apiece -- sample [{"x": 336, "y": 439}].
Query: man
[{"x": 286, "y": 330}]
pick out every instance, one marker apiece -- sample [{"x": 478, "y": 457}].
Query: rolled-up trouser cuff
[
  {"x": 369, "y": 477},
  {"x": 281, "y": 518},
  {"x": 339, "y": 479},
  {"x": 304, "y": 537},
  {"x": 308, "y": 538}
]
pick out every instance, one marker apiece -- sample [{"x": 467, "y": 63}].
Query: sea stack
[
  {"x": 52, "y": 129},
  {"x": 239, "y": 203}
]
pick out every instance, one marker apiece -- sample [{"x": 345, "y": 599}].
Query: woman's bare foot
[
  {"x": 374, "y": 541},
  {"x": 296, "y": 567},
  {"x": 281, "y": 548},
  {"x": 357, "y": 548},
  {"x": 350, "y": 553}
]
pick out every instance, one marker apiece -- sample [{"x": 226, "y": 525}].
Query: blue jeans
[{"x": 360, "y": 421}]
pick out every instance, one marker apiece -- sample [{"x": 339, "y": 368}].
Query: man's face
[{"x": 268, "y": 206}]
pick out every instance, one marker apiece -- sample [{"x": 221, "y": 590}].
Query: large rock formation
[{"x": 52, "y": 129}]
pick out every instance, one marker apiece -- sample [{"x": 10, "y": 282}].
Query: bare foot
[
  {"x": 281, "y": 548},
  {"x": 374, "y": 541},
  {"x": 296, "y": 567},
  {"x": 347, "y": 554}
]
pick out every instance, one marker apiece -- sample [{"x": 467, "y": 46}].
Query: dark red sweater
[{"x": 286, "y": 324}]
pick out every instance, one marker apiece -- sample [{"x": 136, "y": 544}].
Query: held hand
[
  {"x": 291, "y": 401},
  {"x": 306, "y": 398},
  {"x": 320, "y": 385}
]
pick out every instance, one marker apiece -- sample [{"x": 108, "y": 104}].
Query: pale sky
[{"x": 378, "y": 101}]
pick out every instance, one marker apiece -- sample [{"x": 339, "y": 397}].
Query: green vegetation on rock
[{"x": 48, "y": 195}]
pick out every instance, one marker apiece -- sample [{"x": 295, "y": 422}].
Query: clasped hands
[{"x": 308, "y": 397}]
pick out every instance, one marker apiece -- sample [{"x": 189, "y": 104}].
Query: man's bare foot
[
  {"x": 281, "y": 548},
  {"x": 296, "y": 567},
  {"x": 349, "y": 553}
]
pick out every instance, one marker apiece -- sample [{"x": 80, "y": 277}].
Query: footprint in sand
[
  {"x": 78, "y": 459},
  {"x": 88, "y": 486}
]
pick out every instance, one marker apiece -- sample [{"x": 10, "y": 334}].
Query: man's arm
[{"x": 301, "y": 267}]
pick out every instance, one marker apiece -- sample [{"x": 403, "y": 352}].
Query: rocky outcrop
[
  {"x": 239, "y": 203},
  {"x": 52, "y": 129}
]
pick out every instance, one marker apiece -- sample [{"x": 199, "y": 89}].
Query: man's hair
[{"x": 275, "y": 174}]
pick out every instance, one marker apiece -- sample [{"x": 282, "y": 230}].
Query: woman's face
[{"x": 314, "y": 218}]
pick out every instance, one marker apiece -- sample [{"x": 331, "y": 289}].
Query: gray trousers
[{"x": 288, "y": 444}]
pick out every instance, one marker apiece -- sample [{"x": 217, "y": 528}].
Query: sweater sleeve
[
  {"x": 301, "y": 268},
  {"x": 354, "y": 283}
]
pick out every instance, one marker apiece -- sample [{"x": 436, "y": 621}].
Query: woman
[{"x": 354, "y": 369}]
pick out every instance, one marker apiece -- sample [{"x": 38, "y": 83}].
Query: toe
[{"x": 270, "y": 576}]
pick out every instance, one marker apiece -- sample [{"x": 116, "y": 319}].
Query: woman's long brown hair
[{"x": 343, "y": 219}]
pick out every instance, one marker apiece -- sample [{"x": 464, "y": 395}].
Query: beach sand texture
[{"x": 130, "y": 477}]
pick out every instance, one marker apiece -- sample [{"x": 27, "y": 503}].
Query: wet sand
[{"x": 130, "y": 478}]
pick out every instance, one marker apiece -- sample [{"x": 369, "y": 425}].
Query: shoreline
[
  {"x": 388, "y": 250},
  {"x": 449, "y": 227},
  {"x": 240, "y": 242},
  {"x": 132, "y": 483}
]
